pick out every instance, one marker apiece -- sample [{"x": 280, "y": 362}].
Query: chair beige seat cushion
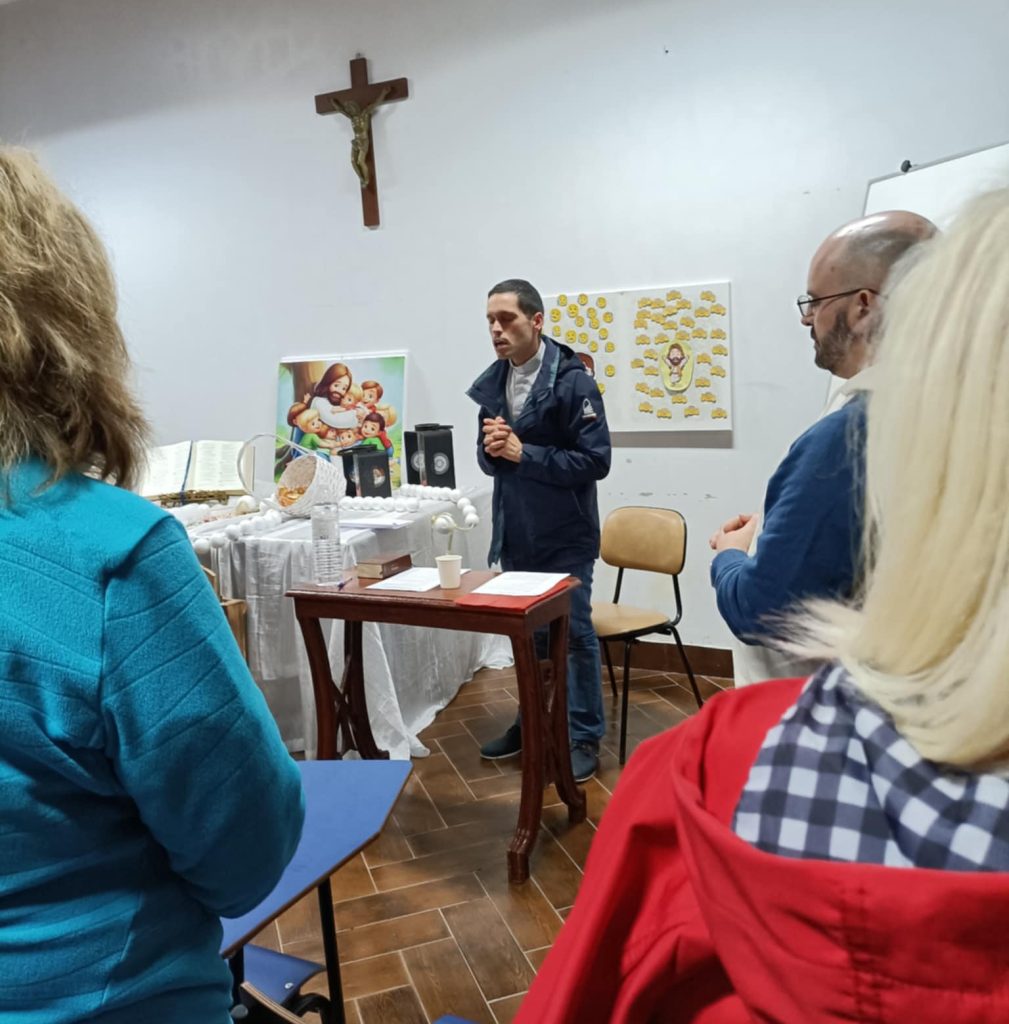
[{"x": 616, "y": 619}]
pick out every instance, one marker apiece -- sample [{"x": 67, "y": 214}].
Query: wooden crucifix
[{"x": 358, "y": 103}]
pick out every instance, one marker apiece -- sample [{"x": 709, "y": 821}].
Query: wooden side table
[{"x": 341, "y": 712}]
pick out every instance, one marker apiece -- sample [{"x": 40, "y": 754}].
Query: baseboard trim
[{"x": 705, "y": 661}]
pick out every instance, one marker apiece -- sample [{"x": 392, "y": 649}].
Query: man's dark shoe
[
  {"x": 504, "y": 746},
  {"x": 584, "y": 760}
]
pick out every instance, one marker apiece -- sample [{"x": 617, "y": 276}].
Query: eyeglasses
[{"x": 807, "y": 302}]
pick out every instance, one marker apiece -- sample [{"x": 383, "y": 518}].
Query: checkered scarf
[{"x": 834, "y": 780}]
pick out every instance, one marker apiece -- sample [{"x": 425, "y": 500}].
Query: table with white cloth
[{"x": 410, "y": 674}]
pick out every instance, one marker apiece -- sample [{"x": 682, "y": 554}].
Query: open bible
[{"x": 195, "y": 471}]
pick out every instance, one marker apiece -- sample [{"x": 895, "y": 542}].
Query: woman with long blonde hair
[
  {"x": 144, "y": 788},
  {"x": 837, "y": 848}
]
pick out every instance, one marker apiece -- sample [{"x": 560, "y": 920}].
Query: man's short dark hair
[{"x": 530, "y": 301}]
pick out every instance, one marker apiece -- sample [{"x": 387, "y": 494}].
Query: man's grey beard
[{"x": 832, "y": 347}]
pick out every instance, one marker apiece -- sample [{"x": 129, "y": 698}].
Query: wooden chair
[
  {"x": 280, "y": 977},
  {"x": 652, "y": 540},
  {"x": 258, "y": 1008},
  {"x": 234, "y": 611}
]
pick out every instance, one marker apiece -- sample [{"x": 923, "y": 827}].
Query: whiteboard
[{"x": 939, "y": 189}]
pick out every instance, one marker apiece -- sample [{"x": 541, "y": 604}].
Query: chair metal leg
[
  {"x": 623, "y": 706},
  {"x": 609, "y": 666},
  {"x": 336, "y": 1011},
  {"x": 686, "y": 665}
]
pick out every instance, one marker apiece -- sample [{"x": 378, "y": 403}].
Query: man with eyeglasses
[{"x": 805, "y": 545}]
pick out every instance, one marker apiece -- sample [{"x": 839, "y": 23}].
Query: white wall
[{"x": 580, "y": 143}]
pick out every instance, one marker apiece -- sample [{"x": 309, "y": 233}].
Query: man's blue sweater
[
  {"x": 144, "y": 788},
  {"x": 811, "y": 532}
]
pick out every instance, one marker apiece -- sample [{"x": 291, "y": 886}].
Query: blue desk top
[{"x": 346, "y": 806}]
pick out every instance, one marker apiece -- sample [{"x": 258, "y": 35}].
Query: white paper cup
[{"x": 449, "y": 571}]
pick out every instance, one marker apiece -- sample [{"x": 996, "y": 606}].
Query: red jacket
[{"x": 679, "y": 920}]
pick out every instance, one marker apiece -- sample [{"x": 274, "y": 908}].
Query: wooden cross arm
[{"x": 398, "y": 90}]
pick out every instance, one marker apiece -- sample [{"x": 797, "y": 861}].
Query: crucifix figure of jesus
[
  {"x": 358, "y": 104},
  {"x": 360, "y": 121}
]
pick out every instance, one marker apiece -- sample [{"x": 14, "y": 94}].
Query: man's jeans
[{"x": 586, "y": 719}]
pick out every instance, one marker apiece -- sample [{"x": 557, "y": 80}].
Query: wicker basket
[{"x": 321, "y": 480}]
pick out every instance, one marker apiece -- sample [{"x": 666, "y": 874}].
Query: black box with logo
[
  {"x": 367, "y": 473},
  {"x": 430, "y": 458}
]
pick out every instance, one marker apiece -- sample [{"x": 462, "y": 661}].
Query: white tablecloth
[{"x": 410, "y": 674}]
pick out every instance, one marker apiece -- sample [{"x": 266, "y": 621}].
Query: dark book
[{"x": 381, "y": 568}]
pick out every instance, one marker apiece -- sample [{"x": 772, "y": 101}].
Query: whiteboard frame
[{"x": 923, "y": 167}]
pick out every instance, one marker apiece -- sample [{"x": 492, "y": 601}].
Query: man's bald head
[{"x": 853, "y": 264}]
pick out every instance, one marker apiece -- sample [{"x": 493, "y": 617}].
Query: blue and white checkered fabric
[{"x": 834, "y": 780}]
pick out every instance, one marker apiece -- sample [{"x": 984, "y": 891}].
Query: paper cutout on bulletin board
[{"x": 661, "y": 354}]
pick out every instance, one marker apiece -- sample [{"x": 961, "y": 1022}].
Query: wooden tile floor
[{"x": 427, "y": 923}]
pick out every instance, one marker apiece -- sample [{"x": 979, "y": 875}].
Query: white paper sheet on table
[
  {"x": 374, "y": 521},
  {"x": 415, "y": 580},
  {"x": 521, "y": 584}
]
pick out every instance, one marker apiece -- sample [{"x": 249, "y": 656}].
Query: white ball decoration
[
  {"x": 246, "y": 527},
  {"x": 201, "y": 546},
  {"x": 233, "y": 531},
  {"x": 471, "y": 519},
  {"x": 443, "y": 523},
  {"x": 412, "y": 505},
  {"x": 217, "y": 540},
  {"x": 455, "y": 494},
  {"x": 245, "y": 504}
]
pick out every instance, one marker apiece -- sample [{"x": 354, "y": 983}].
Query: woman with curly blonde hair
[{"x": 144, "y": 788}]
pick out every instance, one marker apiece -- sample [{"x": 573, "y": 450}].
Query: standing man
[
  {"x": 806, "y": 546},
  {"x": 544, "y": 439}
]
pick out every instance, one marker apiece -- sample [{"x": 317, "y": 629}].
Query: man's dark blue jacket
[
  {"x": 809, "y": 547},
  {"x": 545, "y": 511}
]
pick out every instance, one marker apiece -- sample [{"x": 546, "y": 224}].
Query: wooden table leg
[
  {"x": 353, "y": 691},
  {"x": 323, "y": 688},
  {"x": 559, "y": 749},
  {"x": 339, "y": 710},
  {"x": 527, "y": 673}
]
